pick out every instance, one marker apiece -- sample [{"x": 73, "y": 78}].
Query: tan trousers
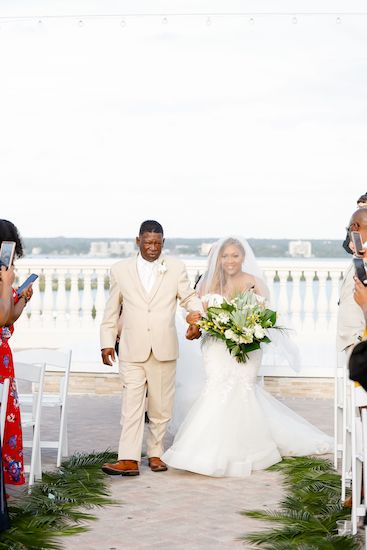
[{"x": 159, "y": 378}]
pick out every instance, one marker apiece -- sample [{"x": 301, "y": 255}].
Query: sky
[{"x": 213, "y": 123}]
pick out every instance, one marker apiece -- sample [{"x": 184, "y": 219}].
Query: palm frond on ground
[
  {"x": 57, "y": 506},
  {"x": 307, "y": 516}
]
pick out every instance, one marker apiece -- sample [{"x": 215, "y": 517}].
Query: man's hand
[
  {"x": 108, "y": 355},
  {"x": 193, "y": 317},
  {"x": 193, "y": 332}
]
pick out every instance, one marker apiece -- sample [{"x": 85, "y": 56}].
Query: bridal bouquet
[{"x": 241, "y": 323}]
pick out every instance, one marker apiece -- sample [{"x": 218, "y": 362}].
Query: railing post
[
  {"x": 61, "y": 300},
  {"x": 87, "y": 301},
  {"x": 74, "y": 296},
  {"x": 100, "y": 299},
  {"x": 48, "y": 298}
]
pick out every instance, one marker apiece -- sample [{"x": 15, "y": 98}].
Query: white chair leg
[
  {"x": 63, "y": 437},
  {"x": 336, "y": 419},
  {"x": 346, "y": 440},
  {"x": 364, "y": 436}
]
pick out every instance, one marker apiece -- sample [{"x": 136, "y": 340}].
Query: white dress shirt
[{"x": 147, "y": 272}]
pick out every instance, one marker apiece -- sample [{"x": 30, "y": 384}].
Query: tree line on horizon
[{"x": 265, "y": 248}]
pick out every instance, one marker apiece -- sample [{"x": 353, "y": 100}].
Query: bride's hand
[{"x": 193, "y": 317}]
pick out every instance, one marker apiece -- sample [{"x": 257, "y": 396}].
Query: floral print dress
[{"x": 12, "y": 445}]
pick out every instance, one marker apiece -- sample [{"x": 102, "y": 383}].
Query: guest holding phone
[
  {"x": 350, "y": 316},
  {"x": 12, "y": 447},
  {"x": 361, "y": 203},
  {"x": 6, "y": 308}
]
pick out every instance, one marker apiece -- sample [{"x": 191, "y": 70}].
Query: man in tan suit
[
  {"x": 351, "y": 321},
  {"x": 146, "y": 287}
]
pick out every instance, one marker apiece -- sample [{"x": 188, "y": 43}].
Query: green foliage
[
  {"x": 57, "y": 505},
  {"x": 307, "y": 516}
]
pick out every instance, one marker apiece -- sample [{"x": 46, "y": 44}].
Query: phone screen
[
  {"x": 358, "y": 245},
  {"x": 7, "y": 253},
  {"x": 26, "y": 283},
  {"x": 360, "y": 270}
]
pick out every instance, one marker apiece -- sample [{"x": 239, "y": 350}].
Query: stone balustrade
[{"x": 70, "y": 295}]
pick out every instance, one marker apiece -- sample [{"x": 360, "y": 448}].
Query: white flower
[
  {"x": 230, "y": 335},
  {"x": 214, "y": 300},
  {"x": 246, "y": 338},
  {"x": 259, "y": 332},
  {"x": 162, "y": 268},
  {"x": 223, "y": 318}
]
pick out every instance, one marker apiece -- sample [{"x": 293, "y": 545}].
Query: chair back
[
  {"x": 58, "y": 360},
  {"x": 55, "y": 359}
]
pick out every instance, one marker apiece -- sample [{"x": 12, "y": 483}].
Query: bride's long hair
[
  {"x": 213, "y": 281},
  {"x": 218, "y": 282}
]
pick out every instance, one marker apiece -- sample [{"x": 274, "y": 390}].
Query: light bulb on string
[
  {"x": 294, "y": 20},
  {"x": 251, "y": 20},
  {"x": 123, "y": 23},
  {"x": 208, "y": 21},
  {"x": 164, "y": 21},
  {"x": 81, "y": 23},
  {"x": 338, "y": 20}
]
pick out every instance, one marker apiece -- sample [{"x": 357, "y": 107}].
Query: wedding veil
[{"x": 213, "y": 280}]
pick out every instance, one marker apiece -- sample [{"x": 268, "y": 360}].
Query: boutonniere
[{"x": 162, "y": 268}]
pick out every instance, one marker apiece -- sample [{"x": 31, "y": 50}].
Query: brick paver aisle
[{"x": 172, "y": 510}]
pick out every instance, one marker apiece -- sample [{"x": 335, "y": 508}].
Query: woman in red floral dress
[{"x": 12, "y": 444}]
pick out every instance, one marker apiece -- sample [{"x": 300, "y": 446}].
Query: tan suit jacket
[
  {"x": 148, "y": 320},
  {"x": 351, "y": 321}
]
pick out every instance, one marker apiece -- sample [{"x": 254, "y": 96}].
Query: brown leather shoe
[
  {"x": 348, "y": 502},
  {"x": 122, "y": 468},
  {"x": 157, "y": 465}
]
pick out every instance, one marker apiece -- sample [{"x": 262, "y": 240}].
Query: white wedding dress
[{"x": 235, "y": 426}]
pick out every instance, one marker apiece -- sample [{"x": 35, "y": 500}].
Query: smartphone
[
  {"x": 7, "y": 252},
  {"x": 26, "y": 283},
  {"x": 360, "y": 270},
  {"x": 358, "y": 244}
]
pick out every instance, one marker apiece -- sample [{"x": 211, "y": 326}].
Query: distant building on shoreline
[
  {"x": 300, "y": 249},
  {"x": 111, "y": 248}
]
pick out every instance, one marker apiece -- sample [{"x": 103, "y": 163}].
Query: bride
[{"x": 235, "y": 426}]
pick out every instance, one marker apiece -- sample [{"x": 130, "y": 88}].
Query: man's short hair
[{"x": 150, "y": 226}]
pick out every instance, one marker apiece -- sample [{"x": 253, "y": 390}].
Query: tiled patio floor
[{"x": 170, "y": 510}]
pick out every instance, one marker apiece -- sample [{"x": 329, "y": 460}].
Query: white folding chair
[
  {"x": 36, "y": 375},
  {"x": 58, "y": 361},
  {"x": 359, "y": 443},
  {"x": 346, "y": 452},
  {"x": 339, "y": 406},
  {"x": 4, "y": 393},
  {"x": 364, "y": 435}
]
